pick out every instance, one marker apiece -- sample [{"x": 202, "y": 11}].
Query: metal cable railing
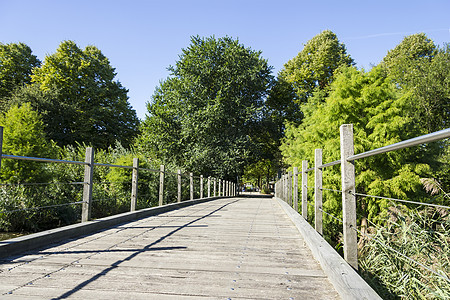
[
  {"x": 163, "y": 185},
  {"x": 40, "y": 207},
  {"x": 400, "y": 200},
  {"x": 349, "y": 195}
]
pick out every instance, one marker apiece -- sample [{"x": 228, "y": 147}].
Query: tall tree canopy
[
  {"x": 313, "y": 67},
  {"x": 204, "y": 116},
  {"x": 16, "y": 65},
  {"x": 308, "y": 73},
  {"x": 380, "y": 114},
  {"x": 88, "y": 105},
  {"x": 423, "y": 69},
  {"x": 402, "y": 61}
]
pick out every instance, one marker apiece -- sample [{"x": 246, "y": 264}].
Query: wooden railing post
[
  {"x": 1, "y": 145},
  {"x": 191, "y": 186},
  {"x": 161, "y": 185},
  {"x": 286, "y": 176},
  {"x": 179, "y": 186},
  {"x": 88, "y": 182},
  {"x": 219, "y": 190},
  {"x": 289, "y": 188},
  {"x": 209, "y": 186},
  {"x": 295, "y": 192},
  {"x": 201, "y": 186},
  {"x": 224, "y": 186},
  {"x": 318, "y": 191},
  {"x": 348, "y": 197},
  {"x": 225, "y": 190},
  {"x": 224, "y": 183},
  {"x": 304, "y": 189},
  {"x": 276, "y": 189},
  {"x": 134, "y": 184}
]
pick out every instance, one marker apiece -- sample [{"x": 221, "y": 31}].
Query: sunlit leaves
[{"x": 203, "y": 116}]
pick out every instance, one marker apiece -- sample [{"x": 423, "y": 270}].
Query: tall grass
[{"x": 423, "y": 236}]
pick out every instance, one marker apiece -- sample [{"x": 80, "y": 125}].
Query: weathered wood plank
[{"x": 227, "y": 248}]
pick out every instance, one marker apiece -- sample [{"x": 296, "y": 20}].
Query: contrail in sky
[{"x": 393, "y": 33}]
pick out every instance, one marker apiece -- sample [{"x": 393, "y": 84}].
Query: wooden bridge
[{"x": 244, "y": 247}]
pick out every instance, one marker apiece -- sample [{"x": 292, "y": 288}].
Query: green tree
[
  {"x": 282, "y": 104},
  {"x": 23, "y": 135},
  {"x": 260, "y": 173},
  {"x": 314, "y": 66},
  {"x": 16, "y": 65},
  {"x": 428, "y": 81},
  {"x": 378, "y": 110},
  {"x": 402, "y": 61},
  {"x": 202, "y": 117},
  {"x": 88, "y": 105}
]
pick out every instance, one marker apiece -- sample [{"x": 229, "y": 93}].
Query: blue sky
[{"x": 142, "y": 38}]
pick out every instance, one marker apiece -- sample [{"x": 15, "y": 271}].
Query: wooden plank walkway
[{"x": 234, "y": 248}]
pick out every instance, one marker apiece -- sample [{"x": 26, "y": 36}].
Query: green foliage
[
  {"x": 282, "y": 105},
  {"x": 111, "y": 190},
  {"x": 260, "y": 173},
  {"x": 404, "y": 97},
  {"x": 423, "y": 236},
  {"x": 429, "y": 84},
  {"x": 16, "y": 64},
  {"x": 402, "y": 61},
  {"x": 379, "y": 112},
  {"x": 314, "y": 66},
  {"x": 87, "y": 105},
  {"x": 420, "y": 67},
  {"x": 203, "y": 116},
  {"x": 23, "y": 135}
]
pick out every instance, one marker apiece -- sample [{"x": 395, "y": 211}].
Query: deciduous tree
[
  {"x": 16, "y": 65},
  {"x": 313, "y": 67},
  {"x": 202, "y": 116},
  {"x": 89, "y": 105}
]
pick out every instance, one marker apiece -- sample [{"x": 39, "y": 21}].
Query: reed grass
[{"x": 423, "y": 236}]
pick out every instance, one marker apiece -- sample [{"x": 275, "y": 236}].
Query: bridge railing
[
  {"x": 172, "y": 187},
  {"x": 287, "y": 188}
]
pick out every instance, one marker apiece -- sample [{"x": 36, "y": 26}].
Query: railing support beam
[
  {"x": 134, "y": 184},
  {"x": 179, "y": 186},
  {"x": 289, "y": 188},
  {"x": 201, "y": 186},
  {"x": 88, "y": 182},
  {"x": 318, "y": 191},
  {"x": 295, "y": 192},
  {"x": 304, "y": 189},
  {"x": 348, "y": 198},
  {"x": 161, "y": 185},
  {"x": 209, "y": 186},
  {"x": 191, "y": 186}
]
